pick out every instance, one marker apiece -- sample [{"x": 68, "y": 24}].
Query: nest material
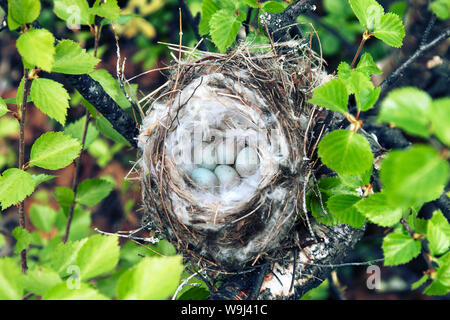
[{"x": 260, "y": 97}]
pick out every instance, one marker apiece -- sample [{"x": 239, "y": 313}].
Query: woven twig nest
[{"x": 257, "y": 99}]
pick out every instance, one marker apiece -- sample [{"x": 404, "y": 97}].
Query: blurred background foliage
[{"x": 142, "y": 26}]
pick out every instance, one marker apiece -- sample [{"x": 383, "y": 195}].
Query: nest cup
[{"x": 254, "y": 98}]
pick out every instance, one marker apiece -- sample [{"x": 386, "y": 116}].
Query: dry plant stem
[
  {"x": 194, "y": 25},
  {"x": 22, "y": 112}
]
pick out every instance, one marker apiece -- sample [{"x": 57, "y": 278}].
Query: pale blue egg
[
  {"x": 204, "y": 178},
  {"x": 247, "y": 162},
  {"x": 228, "y": 177}
]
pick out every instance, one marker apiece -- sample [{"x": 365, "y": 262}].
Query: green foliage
[
  {"x": 36, "y": 48},
  {"x": 15, "y": 186},
  {"x": 438, "y": 233},
  {"x": 399, "y": 248},
  {"x": 377, "y": 210},
  {"x": 22, "y": 12},
  {"x": 51, "y": 98},
  {"x": 40, "y": 280},
  {"x": 440, "y": 118},
  {"x": 151, "y": 279},
  {"x": 73, "y": 11},
  {"x": 224, "y": 27},
  {"x": 42, "y": 217},
  {"x": 441, "y": 8},
  {"x": 3, "y": 107},
  {"x": 342, "y": 206},
  {"x": 70, "y": 58},
  {"x": 92, "y": 191},
  {"x": 367, "y": 66},
  {"x": 23, "y": 238},
  {"x": 76, "y": 128},
  {"x": 84, "y": 292},
  {"x": 108, "y": 9},
  {"x": 11, "y": 286},
  {"x": 346, "y": 152},
  {"x": 332, "y": 95}
]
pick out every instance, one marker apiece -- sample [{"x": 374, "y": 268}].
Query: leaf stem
[
  {"x": 22, "y": 117},
  {"x": 365, "y": 36}
]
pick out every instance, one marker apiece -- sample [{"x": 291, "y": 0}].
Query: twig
[
  {"x": 428, "y": 30},
  {"x": 151, "y": 240},
  {"x": 185, "y": 282},
  {"x": 22, "y": 114},
  {"x": 397, "y": 74},
  {"x": 193, "y": 23}
]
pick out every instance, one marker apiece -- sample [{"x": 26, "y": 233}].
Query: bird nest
[{"x": 253, "y": 98}]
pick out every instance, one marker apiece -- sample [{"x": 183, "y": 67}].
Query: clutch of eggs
[{"x": 222, "y": 165}]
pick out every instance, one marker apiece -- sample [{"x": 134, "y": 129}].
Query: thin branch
[
  {"x": 187, "y": 12},
  {"x": 397, "y": 74},
  {"x": 185, "y": 282}
]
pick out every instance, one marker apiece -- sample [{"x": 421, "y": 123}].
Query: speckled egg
[
  {"x": 247, "y": 162},
  {"x": 204, "y": 178},
  {"x": 228, "y": 177}
]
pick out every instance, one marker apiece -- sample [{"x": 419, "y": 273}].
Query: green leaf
[
  {"x": 252, "y": 3},
  {"x": 413, "y": 176},
  {"x": 409, "y": 109},
  {"x": 70, "y": 58},
  {"x": 15, "y": 186},
  {"x": 64, "y": 196},
  {"x": 440, "y": 118},
  {"x": 42, "y": 217},
  {"x": 11, "y": 287},
  {"x": 36, "y": 47},
  {"x": 73, "y": 11},
  {"x": 224, "y": 27},
  {"x": 441, "y": 8},
  {"x": 273, "y": 6},
  {"x": 108, "y": 9},
  {"x": 111, "y": 87},
  {"x": 368, "y": 12},
  {"x": 64, "y": 256},
  {"x": 314, "y": 205},
  {"x": 99, "y": 255},
  {"x": 80, "y": 226},
  {"x": 40, "y": 280},
  {"x": 390, "y": 30},
  {"x": 356, "y": 181},
  {"x": 3, "y": 107},
  {"x": 342, "y": 206},
  {"x": 41, "y": 178},
  {"x": 51, "y": 98},
  {"x": 152, "y": 279},
  {"x": 195, "y": 293},
  {"x": 209, "y": 7},
  {"x": 419, "y": 282},
  {"x": 332, "y": 95},
  {"x": 23, "y": 238},
  {"x": 441, "y": 284},
  {"x": 24, "y": 11},
  {"x": 344, "y": 72},
  {"x": 438, "y": 233},
  {"x": 106, "y": 128},
  {"x": 92, "y": 191},
  {"x": 379, "y": 211},
  {"x": 362, "y": 87},
  {"x": 63, "y": 292},
  {"x": 75, "y": 129},
  {"x": 399, "y": 248},
  {"x": 367, "y": 66},
  {"x": 346, "y": 152},
  {"x": 54, "y": 150}
]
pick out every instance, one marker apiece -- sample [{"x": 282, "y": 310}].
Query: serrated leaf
[
  {"x": 92, "y": 191},
  {"x": 24, "y": 11},
  {"x": 224, "y": 26},
  {"x": 80, "y": 225},
  {"x": 42, "y": 217},
  {"x": 441, "y": 284},
  {"x": 390, "y": 30},
  {"x": 76, "y": 128},
  {"x": 74, "y": 12},
  {"x": 64, "y": 256},
  {"x": 362, "y": 88},
  {"x": 98, "y": 255},
  {"x": 399, "y": 248},
  {"x": 367, "y": 66},
  {"x": 23, "y": 238},
  {"x": 438, "y": 233},
  {"x": 342, "y": 206},
  {"x": 413, "y": 176},
  {"x": 15, "y": 186},
  {"x": 368, "y": 12},
  {"x": 332, "y": 95},
  {"x": 63, "y": 292},
  {"x": 152, "y": 279},
  {"x": 346, "y": 152},
  {"x": 356, "y": 181},
  {"x": 344, "y": 70},
  {"x": 40, "y": 280},
  {"x": 11, "y": 287},
  {"x": 54, "y": 150},
  {"x": 409, "y": 109},
  {"x": 108, "y": 9},
  {"x": 70, "y": 58},
  {"x": 209, "y": 7},
  {"x": 111, "y": 87},
  {"x": 51, "y": 98},
  {"x": 377, "y": 210},
  {"x": 36, "y": 47},
  {"x": 441, "y": 8},
  {"x": 3, "y": 107},
  {"x": 440, "y": 119}
]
